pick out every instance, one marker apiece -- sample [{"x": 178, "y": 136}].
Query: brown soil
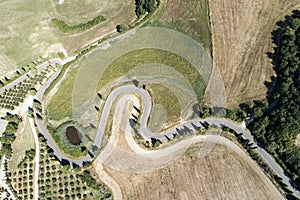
[
  {"x": 241, "y": 38},
  {"x": 220, "y": 175}
]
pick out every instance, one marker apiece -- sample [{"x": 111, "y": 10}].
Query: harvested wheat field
[
  {"x": 223, "y": 174},
  {"x": 241, "y": 37}
]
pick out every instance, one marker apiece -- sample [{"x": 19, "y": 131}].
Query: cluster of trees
[
  {"x": 142, "y": 10},
  {"x": 91, "y": 182},
  {"x": 61, "y": 25},
  {"x": 8, "y": 136},
  {"x": 277, "y": 128},
  {"x": 234, "y": 114},
  {"x": 145, "y": 6}
]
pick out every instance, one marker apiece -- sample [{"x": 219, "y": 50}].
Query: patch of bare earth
[
  {"x": 222, "y": 174},
  {"x": 297, "y": 142},
  {"x": 241, "y": 34}
]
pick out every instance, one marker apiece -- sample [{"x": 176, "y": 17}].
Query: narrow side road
[{"x": 37, "y": 160}]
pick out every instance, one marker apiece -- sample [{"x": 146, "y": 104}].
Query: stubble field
[
  {"x": 223, "y": 174},
  {"x": 241, "y": 38}
]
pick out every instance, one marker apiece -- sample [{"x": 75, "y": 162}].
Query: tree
[{"x": 121, "y": 28}]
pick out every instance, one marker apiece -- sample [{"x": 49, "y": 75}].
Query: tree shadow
[
  {"x": 133, "y": 124},
  {"x": 274, "y": 56}
]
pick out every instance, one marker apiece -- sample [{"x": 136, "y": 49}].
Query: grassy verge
[
  {"x": 60, "y": 105},
  {"x": 64, "y": 27},
  {"x": 165, "y": 97}
]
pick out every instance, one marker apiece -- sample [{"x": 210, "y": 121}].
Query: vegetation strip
[{"x": 64, "y": 27}]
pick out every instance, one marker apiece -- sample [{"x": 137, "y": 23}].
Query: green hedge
[{"x": 64, "y": 27}]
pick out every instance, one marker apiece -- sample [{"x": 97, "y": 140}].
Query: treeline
[
  {"x": 8, "y": 136},
  {"x": 204, "y": 111},
  {"x": 277, "y": 128},
  {"x": 145, "y": 6},
  {"x": 61, "y": 25}
]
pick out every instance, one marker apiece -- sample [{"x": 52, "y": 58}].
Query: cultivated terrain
[{"x": 241, "y": 39}]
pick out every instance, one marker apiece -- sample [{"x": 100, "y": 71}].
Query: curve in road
[{"x": 186, "y": 126}]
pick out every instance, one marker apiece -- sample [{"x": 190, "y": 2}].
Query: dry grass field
[
  {"x": 190, "y": 17},
  {"x": 24, "y": 141},
  {"x": 241, "y": 35},
  {"x": 223, "y": 174},
  {"x": 26, "y": 31}
]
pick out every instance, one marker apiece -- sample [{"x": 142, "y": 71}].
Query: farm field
[
  {"x": 191, "y": 17},
  {"x": 241, "y": 39},
  {"x": 30, "y": 28},
  {"x": 221, "y": 174}
]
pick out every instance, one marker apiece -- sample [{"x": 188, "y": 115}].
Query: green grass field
[
  {"x": 164, "y": 96},
  {"x": 144, "y": 56},
  {"x": 60, "y": 105}
]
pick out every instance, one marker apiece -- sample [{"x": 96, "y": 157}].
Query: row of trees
[
  {"x": 22, "y": 179},
  {"x": 277, "y": 128},
  {"x": 4, "y": 81},
  {"x": 205, "y": 111},
  {"x": 12, "y": 97},
  {"x": 62, "y": 181}
]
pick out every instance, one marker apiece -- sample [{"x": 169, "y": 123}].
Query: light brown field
[
  {"x": 241, "y": 34},
  {"x": 221, "y": 175},
  {"x": 190, "y": 17}
]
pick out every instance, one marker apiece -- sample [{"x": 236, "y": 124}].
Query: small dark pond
[{"x": 73, "y": 135}]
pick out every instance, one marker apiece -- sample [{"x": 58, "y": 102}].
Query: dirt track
[{"x": 241, "y": 33}]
